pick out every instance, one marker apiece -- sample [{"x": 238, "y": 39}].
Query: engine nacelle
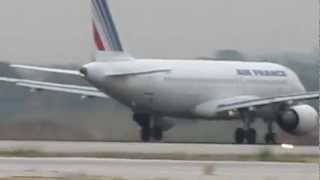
[{"x": 298, "y": 120}]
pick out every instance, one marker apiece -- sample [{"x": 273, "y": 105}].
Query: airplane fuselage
[{"x": 175, "y": 87}]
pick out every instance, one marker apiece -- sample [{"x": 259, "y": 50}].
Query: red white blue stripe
[{"x": 105, "y": 33}]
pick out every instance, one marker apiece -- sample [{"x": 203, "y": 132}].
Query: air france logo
[{"x": 262, "y": 73}]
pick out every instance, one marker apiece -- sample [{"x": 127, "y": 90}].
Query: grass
[
  {"x": 264, "y": 155},
  {"x": 22, "y": 153}
]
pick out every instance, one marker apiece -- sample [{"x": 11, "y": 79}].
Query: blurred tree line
[{"x": 305, "y": 65}]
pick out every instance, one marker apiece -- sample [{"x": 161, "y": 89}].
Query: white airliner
[{"x": 158, "y": 89}]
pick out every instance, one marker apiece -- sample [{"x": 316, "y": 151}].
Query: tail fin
[{"x": 105, "y": 33}]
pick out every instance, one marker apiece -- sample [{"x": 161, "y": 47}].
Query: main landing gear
[
  {"x": 270, "y": 137},
  {"x": 249, "y": 134},
  {"x": 148, "y": 129}
]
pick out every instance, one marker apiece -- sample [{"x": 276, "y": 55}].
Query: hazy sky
[{"x": 59, "y": 31}]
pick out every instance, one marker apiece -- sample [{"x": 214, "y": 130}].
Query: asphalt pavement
[{"x": 155, "y": 169}]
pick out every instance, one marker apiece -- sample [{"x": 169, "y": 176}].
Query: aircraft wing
[
  {"x": 84, "y": 91},
  {"x": 210, "y": 108}
]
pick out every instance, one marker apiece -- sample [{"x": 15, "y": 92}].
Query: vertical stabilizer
[{"x": 105, "y": 33}]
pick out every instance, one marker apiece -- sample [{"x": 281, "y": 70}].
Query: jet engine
[{"x": 298, "y": 120}]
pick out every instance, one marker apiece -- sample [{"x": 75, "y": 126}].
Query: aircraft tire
[
  {"x": 239, "y": 136},
  {"x": 270, "y": 138},
  {"x": 251, "y": 136},
  {"x": 143, "y": 120},
  {"x": 145, "y": 134},
  {"x": 157, "y": 133}
]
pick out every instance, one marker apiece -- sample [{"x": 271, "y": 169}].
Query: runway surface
[
  {"x": 107, "y": 147},
  {"x": 154, "y": 169}
]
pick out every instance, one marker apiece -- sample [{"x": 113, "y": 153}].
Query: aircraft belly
[{"x": 173, "y": 103}]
